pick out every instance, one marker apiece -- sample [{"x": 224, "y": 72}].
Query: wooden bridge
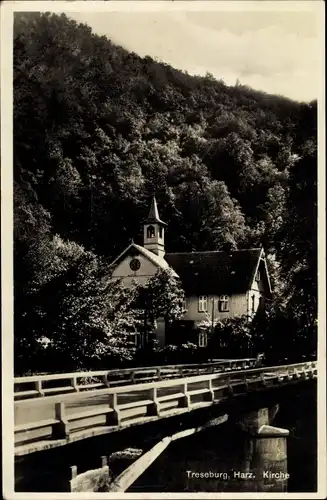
[{"x": 97, "y": 403}]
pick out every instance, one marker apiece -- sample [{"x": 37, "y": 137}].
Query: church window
[
  {"x": 135, "y": 264},
  {"x": 160, "y": 232},
  {"x": 257, "y": 276},
  {"x": 150, "y": 232},
  {"x": 203, "y": 303},
  {"x": 223, "y": 303}
]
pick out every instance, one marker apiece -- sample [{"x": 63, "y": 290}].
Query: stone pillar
[
  {"x": 270, "y": 459},
  {"x": 265, "y": 452}
]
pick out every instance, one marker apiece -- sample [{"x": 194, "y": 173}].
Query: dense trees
[{"x": 98, "y": 130}]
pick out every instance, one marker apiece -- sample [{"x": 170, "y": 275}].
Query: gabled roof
[
  {"x": 134, "y": 248},
  {"x": 154, "y": 213},
  {"x": 216, "y": 272}
]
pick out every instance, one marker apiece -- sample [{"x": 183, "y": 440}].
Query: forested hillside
[{"x": 98, "y": 131}]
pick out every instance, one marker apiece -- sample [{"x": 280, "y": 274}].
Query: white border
[{"x": 7, "y": 10}]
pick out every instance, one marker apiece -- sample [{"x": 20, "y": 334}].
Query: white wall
[
  {"x": 237, "y": 306},
  {"x": 145, "y": 272}
]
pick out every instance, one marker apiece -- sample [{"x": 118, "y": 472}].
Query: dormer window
[{"x": 150, "y": 232}]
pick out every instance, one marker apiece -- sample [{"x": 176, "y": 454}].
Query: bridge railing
[
  {"x": 45, "y": 385},
  {"x": 81, "y": 416}
]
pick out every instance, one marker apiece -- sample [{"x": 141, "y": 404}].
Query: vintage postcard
[{"x": 163, "y": 258}]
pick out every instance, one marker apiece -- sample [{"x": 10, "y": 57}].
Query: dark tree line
[{"x": 98, "y": 130}]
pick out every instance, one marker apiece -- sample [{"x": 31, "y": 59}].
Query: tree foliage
[{"x": 160, "y": 296}]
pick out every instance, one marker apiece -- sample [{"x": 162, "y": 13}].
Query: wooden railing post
[
  {"x": 113, "y": 416},
  {"x": 38, "y": 387},
  {"x": 186, "y": 400},
  {"x": 73, "y": 381},
  {"x": 105, "y": 380},
  {"x": 229, "y": 387},
  {"x": 60, "y": 429},
  {"x": 262, "y": 379},
  {"x": 153, "y": 409},
  {"x": 246, "y": 384},
  {"x": 211, "y": 389}
]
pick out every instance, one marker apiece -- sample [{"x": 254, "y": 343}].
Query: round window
[{"x": 135, "y": 264}]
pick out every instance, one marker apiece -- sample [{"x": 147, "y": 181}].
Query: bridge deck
[{"x": 56, "y": 420}]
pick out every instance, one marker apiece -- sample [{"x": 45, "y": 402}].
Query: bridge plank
[
  {"x": 35, "y": 425},
  {"x": 135, "y": 404},
  {"x": 91, "y": 386},
  {"x": 91, "y": 413},
  {"x": 52, "y": 390},
  {"x": 198, "y": 391},
  {"x": 32, "y": 392},
  {"x": 167, "y": 397}
]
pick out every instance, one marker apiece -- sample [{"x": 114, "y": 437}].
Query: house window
[
  {"x": 223, "y": 303},
  {"x": 253, "y": 303},
  {"x": 150, "y": 232},
  {"x": 203, "y": 303},
  {"x": 183, "y": 304},
  {"x": 203, "y": 339},
  {"x": 257, "y": 276}
]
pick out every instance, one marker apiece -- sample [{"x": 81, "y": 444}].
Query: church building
[{"x": 217, "y": 284}]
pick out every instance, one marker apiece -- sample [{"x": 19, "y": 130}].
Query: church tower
[{"x": 154, "y": 232}]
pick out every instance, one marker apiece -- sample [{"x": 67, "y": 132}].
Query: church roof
[
  {"x": 154, "y": 213},
  {"x": 154, "y": 258},
  {"x": 216, "y": 272}
]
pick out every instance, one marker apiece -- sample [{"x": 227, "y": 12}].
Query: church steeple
[{"x": 153, "y": 231}]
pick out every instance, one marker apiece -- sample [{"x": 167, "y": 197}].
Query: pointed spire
[{"x": 154, "y": 213}]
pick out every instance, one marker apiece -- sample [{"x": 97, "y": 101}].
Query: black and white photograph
[{"x": 163, "y": 254}]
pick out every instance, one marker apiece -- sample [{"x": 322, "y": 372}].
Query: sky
[{"x": 275, "y": 51}]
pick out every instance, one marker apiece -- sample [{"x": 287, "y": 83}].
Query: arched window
[{"x": 150, "y": 232}]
